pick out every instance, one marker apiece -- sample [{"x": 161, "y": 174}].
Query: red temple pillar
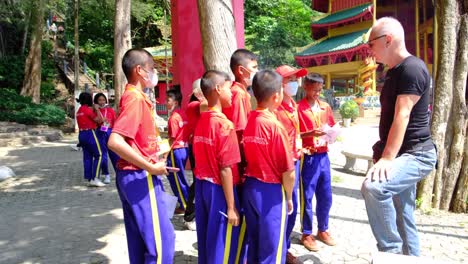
[{"x": 187, "y": 50}]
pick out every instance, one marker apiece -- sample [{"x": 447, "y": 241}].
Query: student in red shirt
[
  {"x": 178, "y": 140},
  {"x": 267, "y": 190},
  {"x": 315, "y": 173},
  {"x": 87, "y": 119},
  {"x": 196, "y": 105},
  {"x": 216, "y": 151},
  {"x": 150, "y": 234},
  {"x": 104, "y": 131},
  {"x": 244, "y": 66},
  {"x": 287, "y": 115}
]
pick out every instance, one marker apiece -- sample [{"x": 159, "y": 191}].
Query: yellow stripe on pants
[
  {"x": 282, "y": 229},
  {"x": 100, "y": 153},
  {"x": 155, "y": 217},
  {"x": 301, "y": 189},
  {"x": 176, "y": 179},
  {"x": 241, "y": 240},
  {"x": 227, "y": 245}
]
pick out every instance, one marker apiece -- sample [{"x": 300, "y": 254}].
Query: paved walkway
[{"x": 47, "y": 215}]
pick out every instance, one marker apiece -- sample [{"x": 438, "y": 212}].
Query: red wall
[{"x": 187, "y": 50}]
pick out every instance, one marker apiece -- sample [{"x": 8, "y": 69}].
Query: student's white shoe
[
  {"x": 191, "y": 225},
  {"x": 107, "y": 179},
  {"x": 96, "y": 183}
]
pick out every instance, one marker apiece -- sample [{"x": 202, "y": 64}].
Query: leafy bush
[
  {"x": 12, "y": 71},
  {"x": 349, "y": 109},
  {"x": 20, "y": 109}
]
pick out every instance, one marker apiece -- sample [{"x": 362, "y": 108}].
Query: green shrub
[
  {"x": 20, "y": 109},
  {"x": 47, "y": 90},
  {"x": 12, "y": 71},
  {"x": 349, "y": 109}
]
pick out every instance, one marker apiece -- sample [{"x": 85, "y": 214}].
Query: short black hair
[
  {"x": 175, "y": 95},
  {"x": 132, "y": 58},
  {"x": 96, "y": 97},
  {"x": 312, "y": 78},
  {"x": 265, "y": 84},
  {"x": 241, "y": 57},
  {"x": 210, "y": 79},
  {"x": 85, "y": 98}
]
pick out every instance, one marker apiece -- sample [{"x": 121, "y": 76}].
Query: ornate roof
[
  {"x": 345, "y": 45},
  {"x": 344, "y": 16}
]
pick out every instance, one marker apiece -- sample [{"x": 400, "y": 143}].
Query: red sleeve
[
  {"x": 330, "y": 118},
  {"x": 173, "y": 125},
  {"x": 238, "y": 111},
  {"x": 128, "y": 122},
  {"x": 112, "y": 117},
  {"x": 90, "y": 113},
  {"x": 283, "y": 155},
  {"x": 228, "y": 148}
]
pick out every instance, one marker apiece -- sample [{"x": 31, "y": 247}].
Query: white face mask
[
  {"x": 291, "y": 88},
  {"x": 252, "y": 75},
  {"x": 153, "y": 78}
]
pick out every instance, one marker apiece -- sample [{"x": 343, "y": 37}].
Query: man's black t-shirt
[{"x": 409, "y": 77}]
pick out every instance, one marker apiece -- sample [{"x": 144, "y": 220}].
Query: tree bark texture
[
  {"x": 122, "y": 43},
  {"x": 449, "y": 124},
  {"x": 458, "y": 117},
  {"x": 218, "y": 31},
  {"x": 76, "y": 60},
  {"x": 32, "y": 69}
]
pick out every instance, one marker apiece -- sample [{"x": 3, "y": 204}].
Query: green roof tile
[
  {"x": 337, "y": 43},
  {"x": 342, "y": 15}
]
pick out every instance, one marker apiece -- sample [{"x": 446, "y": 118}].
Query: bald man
[{"x": 405, "y": 153}]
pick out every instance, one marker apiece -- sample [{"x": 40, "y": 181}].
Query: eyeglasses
[{"x": 369, "y": 42}]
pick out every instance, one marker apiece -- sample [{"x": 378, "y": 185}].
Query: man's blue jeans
[{"x": 390, "y": 204}]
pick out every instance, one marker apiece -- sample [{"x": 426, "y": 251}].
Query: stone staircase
[{"x": 13, "y": 134}]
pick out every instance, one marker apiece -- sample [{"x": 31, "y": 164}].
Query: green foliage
[
  {"x": 349, "y": 109},
  {"x": 275, "y": 28},
  {"x": 99, "y": 56},
  {"x": 20, "y": 109},
  {"x": 47, "y": 90},
  {"x": 12, "y": 71}
]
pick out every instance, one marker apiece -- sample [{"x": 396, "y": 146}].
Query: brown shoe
[
  {"x": 179, "y": 211},
  {"x": 326, "y": 238},
  {"x": 291, "y": 259},
  {"x": 309, "y": 242}
]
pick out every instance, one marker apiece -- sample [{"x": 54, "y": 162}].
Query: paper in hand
[{"x": 331, "y": 132}]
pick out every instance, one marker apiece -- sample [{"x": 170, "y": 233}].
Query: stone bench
[{"x": 351, "y": 158}]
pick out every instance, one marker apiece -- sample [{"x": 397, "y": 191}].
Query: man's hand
[
  {"x": 159, "y": 168},
  {"x": 313, "y": 133},
  {"x": 233, "y": 216},
  {"x": 380, "y": 170},
  {"x": 290, "y": 207}
]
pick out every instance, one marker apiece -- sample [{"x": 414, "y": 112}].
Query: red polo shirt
[
  {"x": 85, "y": 118},
  {"x": 310, "y": 120},
  {"x": 109, "y": 114},
  {"x": 137, "y": 125},
  {"x": 266, "y": 146},
  {"x": 193, "y": 114},
  {"x": 175, "y": 129},
  {"x": 240, "y": 107},
  {"x": 288, "y": 117},
  {"x": 215, "y": 146}
]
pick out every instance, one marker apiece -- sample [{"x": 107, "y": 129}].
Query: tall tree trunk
[
  {"x": 26, "y": 30},
  {"x": 122, "y": 43},
  {"x": 449, "y": 125},
  {"x": 458, "y": 117},
  {"x": 460, "y": 199},
  {"x": 76, "y": 60},
  {"x": 32, "y": 68},
  {"x": 218, "y": 32}
]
